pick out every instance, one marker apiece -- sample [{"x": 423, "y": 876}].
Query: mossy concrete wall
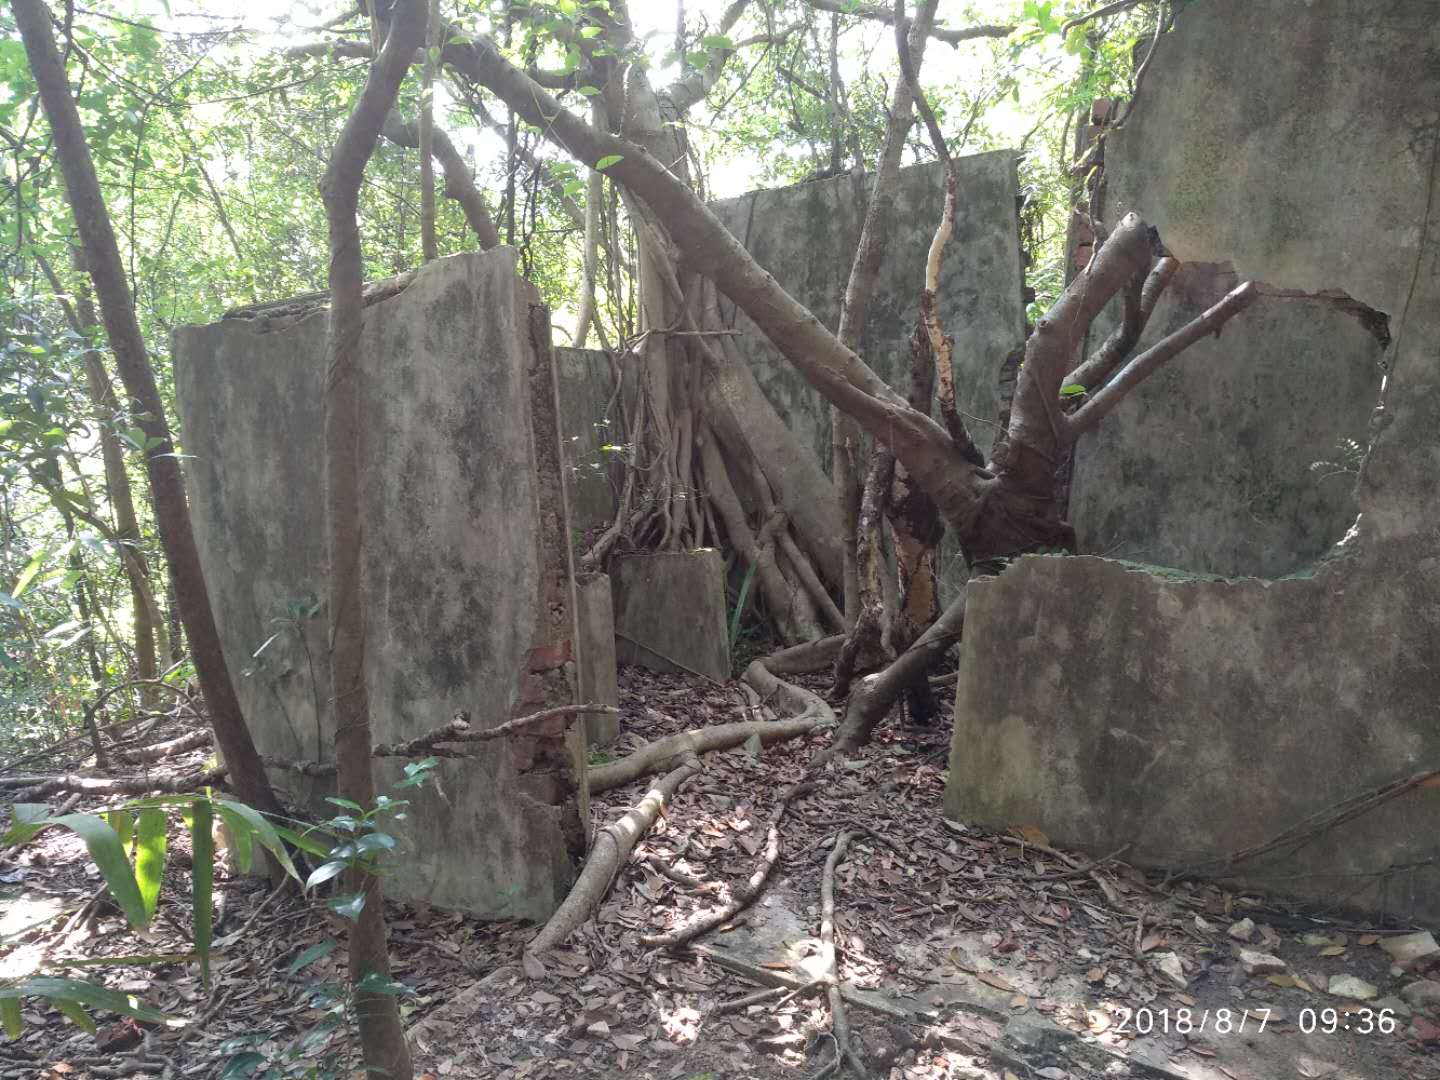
[
  {"x": 1190, "y": 716},
  {"x": 469, "y": 600}
]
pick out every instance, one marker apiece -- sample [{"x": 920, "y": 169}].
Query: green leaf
[
  {"x": 588, "y": 32},
  {"x": 305, "y": 841},
  {"x": 1072, "y": 390},
  {"x": 75, "y": 1014},
  {"x": 32, "y": 568},
  {"x": 82, "y": 993},
  {"x": 242, "y": 1065},
  {"x": 10, "y": 1014},
  {"x": 26, "y": 819},
  {"x": 740, "y": 603},
  {"x": 608, "y": 160},
  {"x": 375, "y": 842},
  {"x": 150, "y": 856},
  {"x": 108, "y": 853},
  {"x": 348, "y": 907},
  {"x": 325, "y": 871},
  {"x": 123, "y": 822},
  {"x": 315, "y": 952},
  {"x": 241, "y": 837},
  {"x": 202, "y": 881},
  {"x": 717, "y": 41},
  {"x": 263, "y": 830}
]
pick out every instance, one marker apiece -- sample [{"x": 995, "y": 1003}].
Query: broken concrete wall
[
  {"x": 469, "y": 602},
  {"x": 670, "y": 612},
  {"x": 589, "y": 422},
  {"x": 805, "y": 236},
  {"x": 1191, "y": 717}
]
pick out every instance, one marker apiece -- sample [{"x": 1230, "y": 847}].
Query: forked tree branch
[
  {"x": 459, "y": 184},
  {"x": 1148, "y": 362},
  {"x": 1141, "y": 294}
]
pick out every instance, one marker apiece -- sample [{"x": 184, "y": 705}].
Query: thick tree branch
[
  {"x": 117, "y": 310},
  {"x": 459, "y": 184},
  {"x": 686, "y": 91},
  {"x": 1146, "y": 364},
  {"x": 834, "y": 370},
  {"x": 1140, "y": 297}
]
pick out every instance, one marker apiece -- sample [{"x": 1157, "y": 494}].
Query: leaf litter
[{"x": 926, "y": 907}]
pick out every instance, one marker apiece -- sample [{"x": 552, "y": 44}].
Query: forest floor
[{"x": 964, "y": 953}]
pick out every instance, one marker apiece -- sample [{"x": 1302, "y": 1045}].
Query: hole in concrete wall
[{"x": 1207, "y": 469}]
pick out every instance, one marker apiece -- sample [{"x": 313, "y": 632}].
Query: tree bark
[
  {"x": 102, "y": 256},
  {"x": 382, "y": 1035}
]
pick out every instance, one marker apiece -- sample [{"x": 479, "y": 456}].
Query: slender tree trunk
[
  {"x": 428, "y": 246},
  {"x": 150, "y": 627},
  {"x": 382, "y": 1036},
  {"x": 148, "y": 623},
  {"x": 102, "y": 256}
]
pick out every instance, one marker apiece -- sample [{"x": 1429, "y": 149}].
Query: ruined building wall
[
  {"x": 469, "y": 604},
  {"x": 1110, "y": 703}
]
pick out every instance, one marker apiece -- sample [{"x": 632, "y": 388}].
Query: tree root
[
  {"x": 805, "y": 659},
  {"x": 659, "y": 754},
  {"x": 830, "y": 968},
  {"x": 872, "y": 696},
  {"x": 745, "y": 894},
  {"x": 612, "y": 846}
]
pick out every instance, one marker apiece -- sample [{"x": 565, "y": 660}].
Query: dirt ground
[{"x": 964, "y": 953}]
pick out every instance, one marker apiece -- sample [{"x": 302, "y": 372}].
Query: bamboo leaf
[
  {"x": 202, "y": 881},
  {"x": 108, "y": 853},
  {"x": 76, "y": 1014},
  {"x": 263, "y": 830},
  {"x": 10, "y": 1014},
  {"x": 150, "y": 838},
  {"x": 82, "y": 993},
  {"x": 241, "y": 837}
]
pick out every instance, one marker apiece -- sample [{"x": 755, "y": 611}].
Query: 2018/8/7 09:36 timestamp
[{"x": 1144, "y": 1021}]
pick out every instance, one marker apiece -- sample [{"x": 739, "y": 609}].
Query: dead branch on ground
[{"x": 745, "y": 894}]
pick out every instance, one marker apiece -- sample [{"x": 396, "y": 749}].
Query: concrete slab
[
  {"x": 670, "y": 612},
  {"x": 595, "y": 635},
  {"x": 468, "y": 588}
]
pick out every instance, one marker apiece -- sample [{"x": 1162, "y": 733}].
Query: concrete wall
[
  {"x": 469, "y": 601},
  {"x": 806, "y": 235},
  {"x": 1107, "y": 703},
  {"x": 1208, "y": 466},
  {"x": 589, "y": 421}
]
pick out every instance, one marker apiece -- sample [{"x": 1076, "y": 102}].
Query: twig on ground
[
  {"x": 830, "y": 967},
  {"x": 745, "y": 894}
]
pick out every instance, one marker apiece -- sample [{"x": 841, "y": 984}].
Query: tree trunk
[
  {"x": 382, "y": 1037},
  {"x": 102, "y": 256},
  {"x": 149, "y": 625}
]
